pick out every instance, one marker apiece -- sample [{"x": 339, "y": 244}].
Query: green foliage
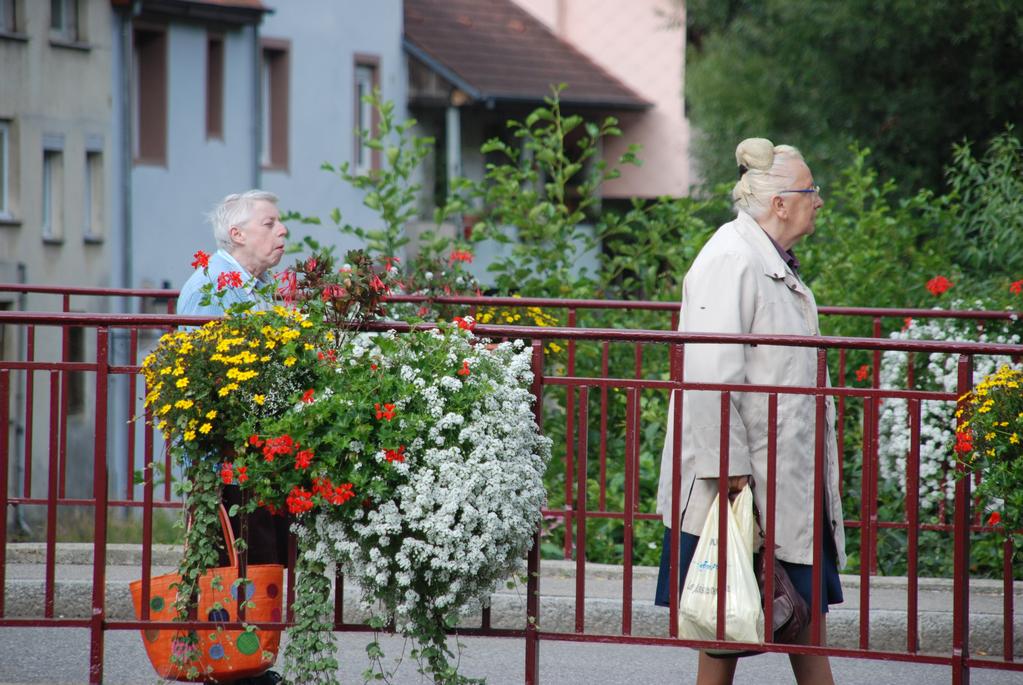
[
  {"x": 390, "y": 190},
  {"x": 987, "y": 208},
  {"x": 909, "y": 78},
  {"x": 546, "y": 189},
  {"x": 872, "y": 248}
]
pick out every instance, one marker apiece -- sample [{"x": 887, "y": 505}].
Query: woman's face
[{"x": 802, "y": 206}]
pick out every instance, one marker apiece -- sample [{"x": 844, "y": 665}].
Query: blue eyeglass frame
[{"x": 816, "y": 189}]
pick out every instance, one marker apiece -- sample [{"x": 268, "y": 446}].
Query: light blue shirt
[{"x": 220, "y": 262}]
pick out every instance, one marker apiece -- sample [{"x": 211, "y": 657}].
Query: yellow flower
[
  {"x": 179, "y": 371},
  {"x": 270, "y": 344},
  {"x": 306, "y": 324},
  {"x": 1014, "y": 439},
  {"x": 309, "y": 346},
  {"x": 162, "y": 425},
  {"x": 554, "y": 347},
  {"x": 189, "y": 435},
  {"x": 211, "y": 414},
  {"x": 205, "y": 428},
  {"x": 227, "y": 389},
  {"x": 259, "y": 399},
  {"x": 165, "y": 370},
  {"x": 182, "y": 383},
  {"x": 290, "y": 361},
  {"x": 184, "y": 404},
  {"x": 164, "y": 409},
  {"x": 265, "y": 358}
]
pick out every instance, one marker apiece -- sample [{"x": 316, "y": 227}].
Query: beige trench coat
[{"x": 740, "y": 284}]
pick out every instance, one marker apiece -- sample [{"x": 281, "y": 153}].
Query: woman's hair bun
[{"x": 755, "y": 153}]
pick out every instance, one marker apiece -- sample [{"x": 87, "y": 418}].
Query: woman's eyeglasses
[{"x": 816, "y": 189}]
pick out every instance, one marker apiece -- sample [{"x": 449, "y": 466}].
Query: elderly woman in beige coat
[{"x": 746, "y": 280}]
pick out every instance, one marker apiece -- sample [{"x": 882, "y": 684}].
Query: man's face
[
  {"x": 260, "y": 241},
  {"x": 802, "y": 206}
]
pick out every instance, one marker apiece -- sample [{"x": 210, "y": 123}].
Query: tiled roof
[{"x": 496, "y": 51}]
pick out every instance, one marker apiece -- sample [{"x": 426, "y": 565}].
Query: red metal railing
[{"x": 54, "y": 374}]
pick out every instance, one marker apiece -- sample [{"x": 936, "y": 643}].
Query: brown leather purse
[{"x": 791, "y": 614}]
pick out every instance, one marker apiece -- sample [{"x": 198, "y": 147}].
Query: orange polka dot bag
[{"x": 224, "y": 655}]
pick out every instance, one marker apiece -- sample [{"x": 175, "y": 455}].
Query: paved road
[{"x": 60, "y": 657}]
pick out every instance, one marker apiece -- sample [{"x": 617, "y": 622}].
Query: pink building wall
[{"x": 633, "y": 41}]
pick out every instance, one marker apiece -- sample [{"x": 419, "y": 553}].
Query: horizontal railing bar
[
  {"x": 549, "y": 333},
  {"x": 556, "y": 303}
]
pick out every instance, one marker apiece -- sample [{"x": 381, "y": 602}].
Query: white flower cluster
[
  {"x": 937, "y": 419},
  {"x": 468, "y": 506}
]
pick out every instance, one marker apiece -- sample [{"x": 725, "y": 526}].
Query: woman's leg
[
  {"x": 811, "y": 669},
  {"x": 715, "y": 670}
]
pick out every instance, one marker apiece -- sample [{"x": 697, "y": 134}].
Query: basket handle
[{"x": 225, "y": 527}]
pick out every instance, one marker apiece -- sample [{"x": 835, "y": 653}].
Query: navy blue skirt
[{"x": 801, "y": 574}]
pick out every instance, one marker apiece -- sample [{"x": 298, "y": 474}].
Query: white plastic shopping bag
[{"x": 698, "y": 607}]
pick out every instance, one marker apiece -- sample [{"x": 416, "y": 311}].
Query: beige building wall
[
  {"x": 641, "y": 43},
  {"x": 55, "y": 100}
]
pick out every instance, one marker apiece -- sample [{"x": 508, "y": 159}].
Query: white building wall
[
  {"x": 169, "y": 202},
  {"x": 325, "y": 37}
]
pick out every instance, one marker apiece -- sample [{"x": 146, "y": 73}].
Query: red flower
[
  {"x": 310, "y": 264},
  {"x": 288, "y": 285},
  {"x": 202, "y": 260},
  {"x": 341, "y": 494},
  {"x": 229, "y": 279},
  {"x": 964, "y": 442},
  {"x": 994, "y": 519},
  {"x": 303, "y": 459},
  {"x": 378, "y": 285},
  {"x": 242, "y": 472},
  {"x": 907, "y": 322},
  {"x": 330, "y": 354},
  {"x": 373, "y": 367},
  {"x": 299, "y": 500},
  {"x": 1016, "y": 287},
  {"x": 464, "y": 371},
  {"x": 938, "y": 285},
  {"x": 460, "y": 256},
  {"x": 227, "y": 473},
  {"x": 395, "y": 455},
  {"x": 322, "y": 486},
  {"x": 390, "y": 261},
  {"x": 307, "y": 396},
  {"x": 465, "y": 324},
  {"x": 863, "y": 373},
  {"x": 277, "y": 446},
  {"x": 255, "y": 441},
  {"x": 386, "y": 413},
  {"x": 333, "y": 292}
]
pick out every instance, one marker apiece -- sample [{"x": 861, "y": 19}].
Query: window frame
[
  {"x": 364, "y": 158},
  {"x": 275, "y": 87},
  {"x": 215, "y": 85},
  {"x": 149, "y": 105},
  {"x": 94, "y": 194},
  {"x": 71, "y": 29},
  {"x": 51, "y": 186},
  {"x": 5, "y": 170}
]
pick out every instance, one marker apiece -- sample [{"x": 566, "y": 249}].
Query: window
[
  {"x": 149, "y": 96},
  {"x": 94, "y": 196},
  {"x": 366, "y": 79},
  {"x": 215, "y": 87},
  {"x": 8, "y": 16},
  {"x": 53, "y": 194},
  {"x": 275, "y": 104},
  {"x": 5, "y": 169},
  {"x": 64, "y": 17}
]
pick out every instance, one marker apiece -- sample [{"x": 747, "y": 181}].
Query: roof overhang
[{"x": 225, "y": 11}]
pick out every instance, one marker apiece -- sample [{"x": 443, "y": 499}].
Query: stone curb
[{"x": 602, "y": 615}]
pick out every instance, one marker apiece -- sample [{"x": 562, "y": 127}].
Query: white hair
[
  {"x": 235, "y": 210},
  {"x": 765, "y": 169}
]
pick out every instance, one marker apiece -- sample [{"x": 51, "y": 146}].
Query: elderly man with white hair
[
  {"x": 746, "y": 280},
  {"x": 250, "y": 239}
]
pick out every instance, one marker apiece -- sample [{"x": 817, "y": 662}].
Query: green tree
[{"x": 907, "y": 78}]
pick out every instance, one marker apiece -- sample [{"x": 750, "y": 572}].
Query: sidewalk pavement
[{"x": 25, "y": 573}]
